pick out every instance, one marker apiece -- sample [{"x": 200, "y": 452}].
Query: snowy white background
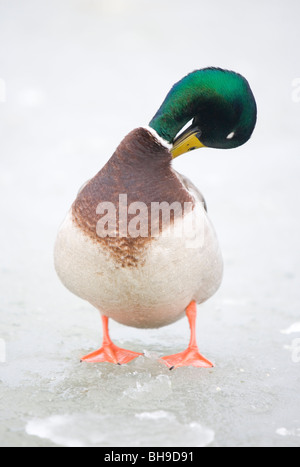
[{"x": 75, "y": 77}]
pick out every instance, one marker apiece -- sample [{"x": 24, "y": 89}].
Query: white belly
[{"x": 176, "y": 270}]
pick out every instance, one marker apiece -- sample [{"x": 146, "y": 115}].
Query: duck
[{"x": 137, "y": 243}]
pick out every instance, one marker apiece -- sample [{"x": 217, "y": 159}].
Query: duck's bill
[{"x": 187, "y": 141}]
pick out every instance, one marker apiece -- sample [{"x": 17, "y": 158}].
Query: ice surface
[
  {"x": 285, "y": 432},
  {"x": 90, "y": 430},
  {"x": 294, "y": 328},
  {"x": 76, "y": 76}
]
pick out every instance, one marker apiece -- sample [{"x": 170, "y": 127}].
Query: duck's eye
[{"x": 231, "y": 135}]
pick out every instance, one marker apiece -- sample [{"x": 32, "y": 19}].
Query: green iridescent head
[{"x": 221, "y": 105}]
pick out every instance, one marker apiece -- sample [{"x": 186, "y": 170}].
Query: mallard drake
[{"x": 137, "y": 242}]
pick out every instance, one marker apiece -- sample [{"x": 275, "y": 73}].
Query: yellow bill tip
[{"x": 185, "y": 143}]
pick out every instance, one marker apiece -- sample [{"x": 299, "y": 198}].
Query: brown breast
[{"x": 139, "y": 170}]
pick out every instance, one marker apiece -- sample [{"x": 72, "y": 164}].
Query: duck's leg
[
  {"x": 109, "y": 352},
  {"x": 190, "y": 356}
]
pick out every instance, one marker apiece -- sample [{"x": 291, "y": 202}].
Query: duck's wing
[{"x": 192, "y": 189}]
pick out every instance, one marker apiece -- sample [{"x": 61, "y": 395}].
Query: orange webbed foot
[
  {"x": 110, "y": 352},
  {"x": 191, "y": 356}
]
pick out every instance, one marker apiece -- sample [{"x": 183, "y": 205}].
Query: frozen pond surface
[{"x": 75, "y": 78}]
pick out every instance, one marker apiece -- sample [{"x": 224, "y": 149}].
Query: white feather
[{"x": 161, "y": 140}]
